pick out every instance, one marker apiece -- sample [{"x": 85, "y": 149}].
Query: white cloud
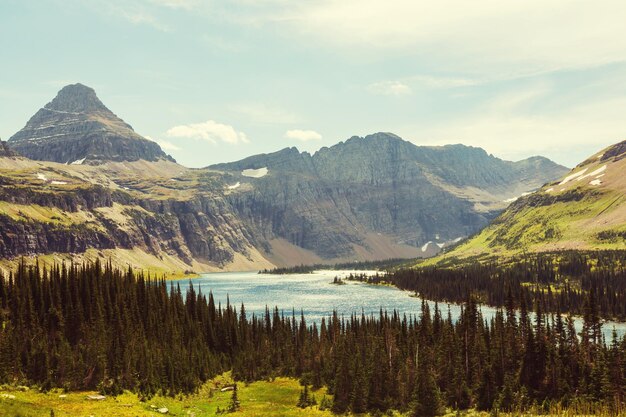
[
  {"x": 165, "y": 145},
  {"x": 510, "y": 38},
  {"x": 209, "y": 131},
  {"x": 389, "y": 88},
  {"x": 263, "y": 113},
  {"x": 303, "y": 135}
]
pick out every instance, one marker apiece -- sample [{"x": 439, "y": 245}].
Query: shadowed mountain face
[
  {"x": 583, "y": 210},
  {"x": 379, "y": 188},
  {"x": 76, "y": 127},
  {"x": 5, "y": 150}
]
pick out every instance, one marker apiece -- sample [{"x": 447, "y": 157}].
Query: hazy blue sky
[{"x": 220, "y": 80}]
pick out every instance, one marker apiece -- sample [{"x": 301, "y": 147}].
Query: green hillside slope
[{"x": 584, "y": 210}]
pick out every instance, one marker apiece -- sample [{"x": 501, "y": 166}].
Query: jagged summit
[
  {"x": 378, "y": 191},
  {"x": 76, "y": 127},
  {"x": 77, "y": 98}
]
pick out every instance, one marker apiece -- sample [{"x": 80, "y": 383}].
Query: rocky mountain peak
[
  {"x": 76, "y": 127},
  {"x": 77, "y": 98}
]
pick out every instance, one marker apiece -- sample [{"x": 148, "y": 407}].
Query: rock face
[
  {"x": 201, "y": 228},
  {"x": 76, "y": 127},
  {"x": 380, "y": 185},
  {"x": 5, "y": 151}
]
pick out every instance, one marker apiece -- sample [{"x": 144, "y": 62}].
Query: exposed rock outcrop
[
  {"x": 202, "y": 228},
  {"x": 76, "y": 127},
  {"x": 5, "y": 151}
]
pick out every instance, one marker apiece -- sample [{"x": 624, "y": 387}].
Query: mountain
[
  {"x": 157, "y": 216},
  {"x": 76, "y": 127},
  {"x": 583, "y": 210},
  {"x": 121, "y": 198},
  {"x": 5, "y": 151},
  {"x": 375, "y": 197}
]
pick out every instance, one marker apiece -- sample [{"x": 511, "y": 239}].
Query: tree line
[
  {"x": 95, "y": 327},
  {"x": 561, "y": 281}
]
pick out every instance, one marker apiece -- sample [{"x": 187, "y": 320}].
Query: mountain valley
[{"x": 87, "y": 186}]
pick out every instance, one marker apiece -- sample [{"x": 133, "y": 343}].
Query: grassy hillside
[
  {"x": 276, "y": 398},
  {"x": 585, "y": 210}
]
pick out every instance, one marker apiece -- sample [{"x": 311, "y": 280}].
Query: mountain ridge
[
  {"x": 366, "y": 198},
  {"x": 378, "y": 184}
]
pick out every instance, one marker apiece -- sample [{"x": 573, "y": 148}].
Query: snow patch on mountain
[
  {"x": 572, "y": 176},
  {"x": 510, "y": 200},
  {"x": 255, "y": 173},
  {"x": 425, "y": 247},
  {"x": 594, "y": 173}
]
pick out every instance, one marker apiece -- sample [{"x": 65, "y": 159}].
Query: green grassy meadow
[{"x": 276, "y": 398}]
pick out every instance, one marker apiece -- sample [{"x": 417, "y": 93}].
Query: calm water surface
[{"x": 316, "y": 296}]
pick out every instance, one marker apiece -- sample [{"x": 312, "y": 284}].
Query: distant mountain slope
[
  {"x": 76, "y": 127},
  {"x": 376, "y": 191},
  {"x": 585, "y": 209}
]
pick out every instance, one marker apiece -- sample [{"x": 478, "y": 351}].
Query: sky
[{"x": 216, "y": 81}]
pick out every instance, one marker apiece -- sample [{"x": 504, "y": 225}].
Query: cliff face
[
  {"x": 379, "y": 185},
  {"x": 73, "y": 219},
  {"x": 76, "y": 127}
]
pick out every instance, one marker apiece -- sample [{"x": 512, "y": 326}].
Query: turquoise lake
[{"x": 316, "y": 296}]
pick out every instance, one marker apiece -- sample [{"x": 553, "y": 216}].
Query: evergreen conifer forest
[
  {"x": 574, "y": 282},
  {"x": 95, "y": 327}
]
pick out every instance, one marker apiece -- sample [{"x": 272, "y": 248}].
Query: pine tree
[
  {"x": 427, "y": 396},
  {"x": 234, "y": 404}
]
